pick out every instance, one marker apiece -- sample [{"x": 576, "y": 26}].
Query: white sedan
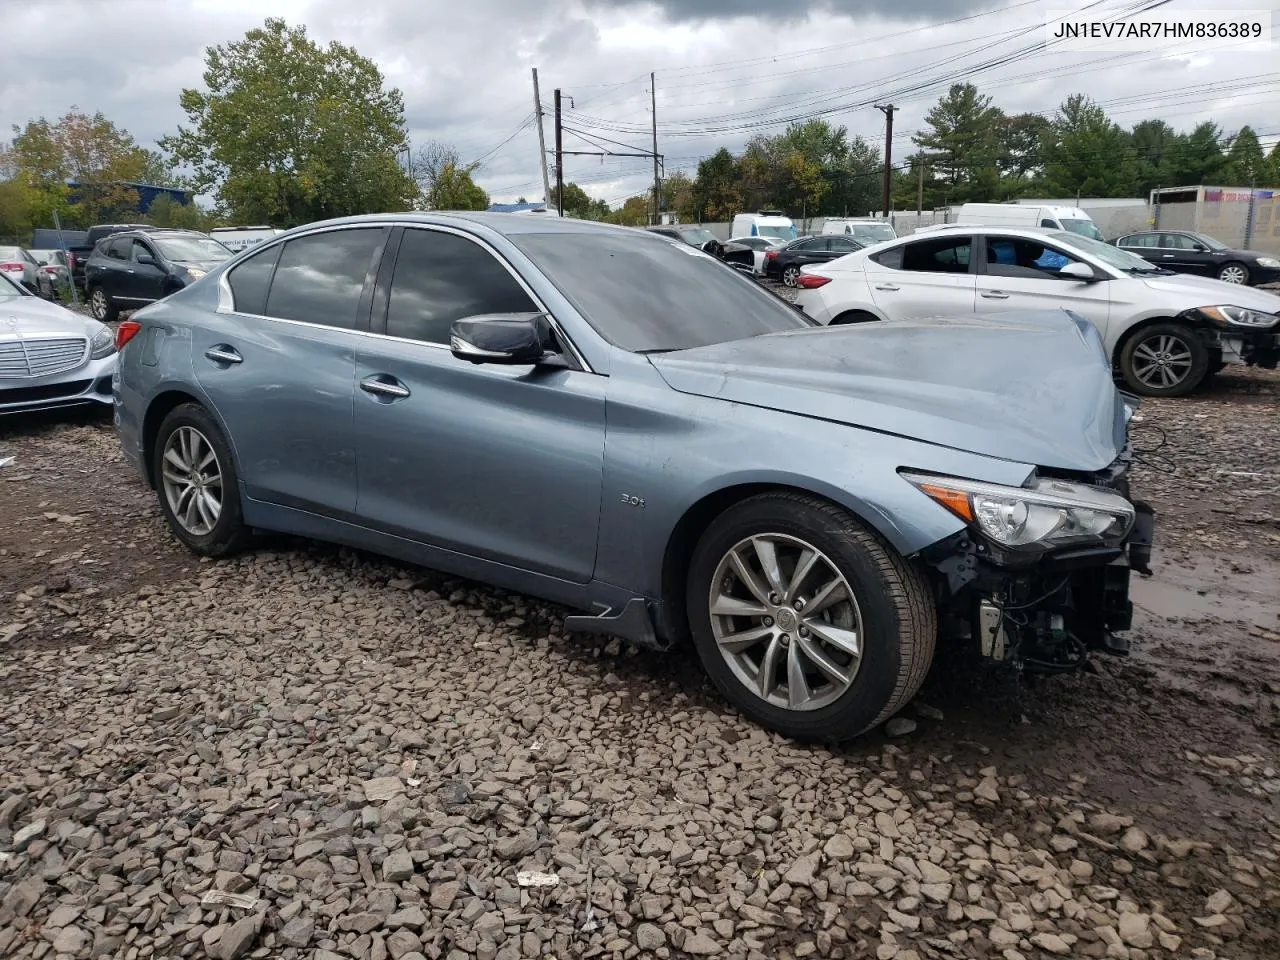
[
  {"x": 758, "y": 246},
  {"x": 49, "y": 356},
  {"x": 1165, "y": 332}
]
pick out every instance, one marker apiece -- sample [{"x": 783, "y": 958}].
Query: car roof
[{"x": 506, "y": 224}]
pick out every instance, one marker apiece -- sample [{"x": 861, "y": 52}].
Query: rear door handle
[
  {"x": 222, "y": 353},
  {"x": 384, "y": 385},
  {"x": 887, "y": 286},
  {"x": 995, "y": 295}
]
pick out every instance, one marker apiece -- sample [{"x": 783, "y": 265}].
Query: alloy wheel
[
  {"x": 1232, "y": 273},
  {"x": 786, "y": 621},
  {"x": 99, "y": 304},
  {"x": 1162, "y": 361},
  {"x": 192, "y": 480},
  {"x": 791, "y": 276}
]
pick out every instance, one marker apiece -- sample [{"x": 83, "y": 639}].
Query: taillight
[
  {"x": 11, "y": 267},
  {"x": 811, "y": 281},
  {"x": 771, "y": 254},
  {"x": 71, "y": 261},
  {"x": 125, "y": 332}
]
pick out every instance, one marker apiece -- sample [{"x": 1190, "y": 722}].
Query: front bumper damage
[{"x": 1042, "y": 613}]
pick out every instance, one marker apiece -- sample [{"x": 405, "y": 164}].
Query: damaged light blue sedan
[{"x": 622, "y": 424}]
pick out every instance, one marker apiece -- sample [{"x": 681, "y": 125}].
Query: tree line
[{"x": 287, "y": 131}]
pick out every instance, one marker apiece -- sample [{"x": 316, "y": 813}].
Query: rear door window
[
  {"x": 950, "y": 254},
  {"x": 321, "y": 277}
]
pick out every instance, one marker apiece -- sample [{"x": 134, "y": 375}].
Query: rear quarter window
[{"x": 250, "y": 281}]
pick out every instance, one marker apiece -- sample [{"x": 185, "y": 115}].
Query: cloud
[{"x": 792, "y": 10}]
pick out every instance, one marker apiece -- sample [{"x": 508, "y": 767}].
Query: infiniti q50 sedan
[{"x": 629, "y": 427}]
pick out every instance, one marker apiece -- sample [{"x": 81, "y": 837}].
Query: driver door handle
[
  {"x": 995, "y": 295},
  {"x": 223, "y": 354},
  {"x": 887, "y": 286},
  {"x": 383, "y": 385}
]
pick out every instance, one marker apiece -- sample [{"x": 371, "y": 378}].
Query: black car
[
  {"x": 785, "y": 264},
  {"x": 131, "y": 269},
  {"x": 735, "y": 254},
  {"x": 1187, "y": 252}
]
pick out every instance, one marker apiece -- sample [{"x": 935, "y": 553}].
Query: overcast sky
[{"x": 722, "y": 75}]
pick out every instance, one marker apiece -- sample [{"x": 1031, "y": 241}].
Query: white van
[
  {"x": 236, "y": 239},
  {"x": 765, "y": 223},
  {"x": 1024, "y": 215},
  {"x": 868, "y": 230}
]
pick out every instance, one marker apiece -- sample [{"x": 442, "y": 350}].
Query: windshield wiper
[{"x": 1160, "y": 270}]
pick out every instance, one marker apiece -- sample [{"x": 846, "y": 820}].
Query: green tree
[
  {"x": 287, "y": 132},
  {"x": 1196, "y": 158},
  {"x": 1086, "y": 153},
  {"x": 679, "y": 196},
  {"x": 166, "y": 212},
  {"x": 964, "y": 140},
  {"x": 576, "y": 201},
  {"x": 717, "y": 189},
  {"x": 1152, "y": 145},
  {"x": 634, "y": 212},
  {"x": 1246, "y": 163},
  {"x": 1021, "y": 162},
  {"x": 1271, "y": 171},
  {"x": 455, "y": 190}
]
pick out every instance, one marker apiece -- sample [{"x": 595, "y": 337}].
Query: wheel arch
[
  {"x": 847, "y": 316},
  {"x": 161, "y": 405},
  {"x": 1143, "y": 324},
  {"x": 695, "y": 520}
]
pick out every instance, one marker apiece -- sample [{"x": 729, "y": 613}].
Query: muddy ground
[{"x": 1182, "y": 736}]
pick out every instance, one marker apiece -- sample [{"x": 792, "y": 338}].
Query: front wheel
[
  {"x": 195, "y": 479},
  {"x": 805, "y": 620},
  {"x": 102, "y": 306},
  {"x": 1234, "y": 273},
  {"x": 791, "y": 276},
  {"x": 1164, "y": 360}
]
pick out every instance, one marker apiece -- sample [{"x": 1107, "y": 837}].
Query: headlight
[
  {"x": 1228, "y": 316},
  {"x": 1047, "y": 514},
  {"x": 1268, "y": 262},
  {"x": 195, "y": 273},
  {"x": 102, "y": 344}
]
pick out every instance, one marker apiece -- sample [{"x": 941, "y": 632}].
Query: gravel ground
[{"x": 310, "y": 752}]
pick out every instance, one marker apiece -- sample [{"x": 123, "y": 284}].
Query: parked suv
[
  {"x": 131, "y": 269},
  {"x": 1164, "y": 332},
  {"x": 621, "y": 424}
]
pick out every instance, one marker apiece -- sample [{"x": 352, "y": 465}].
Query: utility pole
[
  {"x": 888, "y": 110},
  {"x": 657, "y": 186},
  {"x": 920, "y": 188},
  {"x": 542, "y": 143},
  {"x": 559, "y": 160}
]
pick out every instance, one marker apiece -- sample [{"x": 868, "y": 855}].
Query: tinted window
[
  {"x": 118, "y": 249},
  {"x": 1019, "y": 257},
  {"x": 1046, "y": 222},
  {"x": 843, "y": 245},
  {"x": 943, "y": 255},
  {"x": 1140, "y": 240},
  {"x": 140, "y": 249},
  {"x": 891, "y": 258},
  {"x": 1177, "y": 241},
  {"x": 250, "y": 279},
  {"x": 320, "y": 277},
  {"x": 641, "y": 294},
  {"x": 442, "y": 277}
]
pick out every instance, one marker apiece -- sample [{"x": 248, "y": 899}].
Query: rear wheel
[
  {"x": 102, "y": 306},
  {"x": 805, "y": 620},
  {"x": 195, "y": 479},
  {"x": 1164, "y": 360},
  {"x": 791, "y": 276}
]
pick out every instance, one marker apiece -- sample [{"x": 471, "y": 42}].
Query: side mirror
[
  {"x": 1199, "y": 248},
  {"x": 1078, "y": 271},
  {"x": 146, "y": 260},
  {"x": 510, "y": 338}
]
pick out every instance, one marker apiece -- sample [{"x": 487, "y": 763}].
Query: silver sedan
[{"x": 49, "y": 356}]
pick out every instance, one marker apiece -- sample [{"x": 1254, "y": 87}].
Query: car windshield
[
  {"x": 872, "y": 231},
  {"x": 778, "y": 231},
  {"x": 650, "y": 297},
  {"x": 1210, "y": 242},
  {"x": 697, "y": 235},
  {"x": 1085, "y": 228},
  {"x": 10, "y": 253},
  {"x": 191, "y": 249},
  {"x": 1112, "y": 256}
]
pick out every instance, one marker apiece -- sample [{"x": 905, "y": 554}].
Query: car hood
[
  {"x": 205, "y": 265},
  {"x": 1208, "y": 292},
  {"x": 1030, "y": 387},
  {"x": 31, "y": 316}
]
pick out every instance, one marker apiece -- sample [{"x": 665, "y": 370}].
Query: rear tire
[
  {"x": 195, "y": 480},
  {"x": 1234, "y": 272},
  {"x": 854, "y": 316},
  {"x": 859, "y": 625},
  {"x": 1164, "y": 360},
  {"x": 791, "y": 276},
  {"x": 102, "y": 306}
]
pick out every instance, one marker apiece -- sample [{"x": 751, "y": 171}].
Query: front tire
[
  {"x": 805, "y": 620},
  {"x": 101, "y": 305},
  {"x": 195, "y": 479},
  {"x": 1164, "y": 360},
  {"x": 1234, "y": 273}
]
